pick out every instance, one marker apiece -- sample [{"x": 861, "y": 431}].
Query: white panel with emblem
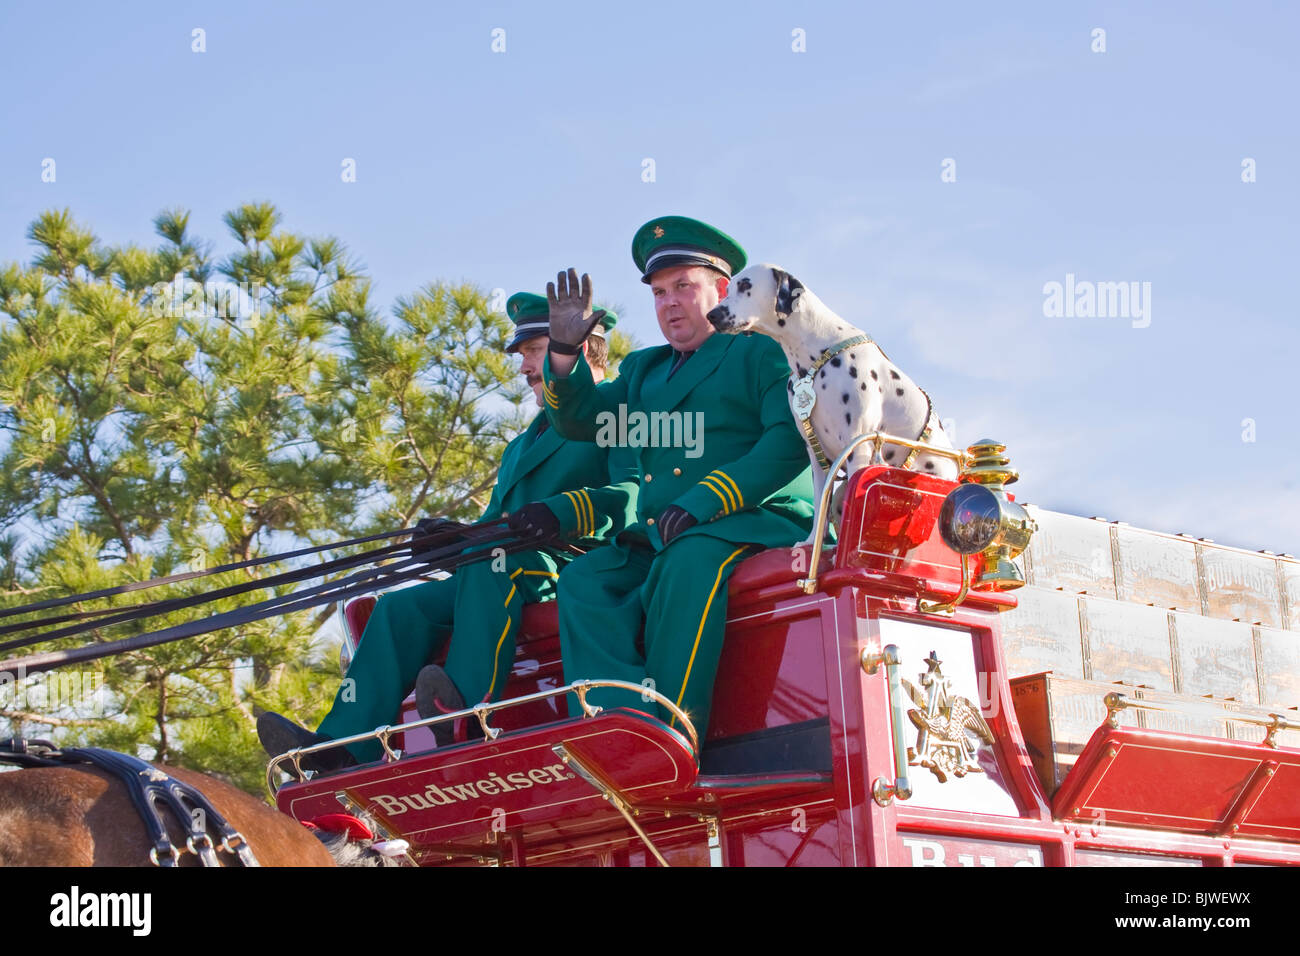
[{"x": 948, "y": 704}]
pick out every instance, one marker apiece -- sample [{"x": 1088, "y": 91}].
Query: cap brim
[
  {"x": 521, "y": 337},
  {"x": 684, "y": 259}
]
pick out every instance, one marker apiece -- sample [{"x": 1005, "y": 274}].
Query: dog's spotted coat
[{"x": 765, "y": 298}]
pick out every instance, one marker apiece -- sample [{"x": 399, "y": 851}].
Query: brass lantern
[{"x": 977, "y": 517}]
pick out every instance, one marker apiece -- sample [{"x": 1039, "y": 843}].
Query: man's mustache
[{"x": 533, "y": 380}]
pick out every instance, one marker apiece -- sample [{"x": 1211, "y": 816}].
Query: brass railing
[
  {"x": 1274, "y": 722},
  {"x": 881, "y": 789},
  {"x": 482, "y": 712}
]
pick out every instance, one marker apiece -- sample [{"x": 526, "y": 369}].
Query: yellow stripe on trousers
[
  {"x": 700, "y": 633},
  {"x": 496, "y": 655}
]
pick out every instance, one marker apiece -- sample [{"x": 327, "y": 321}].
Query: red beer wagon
[{"x": 938, "y": 689}]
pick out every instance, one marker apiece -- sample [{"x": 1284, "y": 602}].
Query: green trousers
[
  {"x": 478, "y": 609},
  {"x": 679, "y": 597}
]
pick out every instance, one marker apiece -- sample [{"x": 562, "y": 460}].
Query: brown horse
[{"x": 83, "y": 816}]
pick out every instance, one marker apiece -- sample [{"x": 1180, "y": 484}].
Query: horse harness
[
  {"x": 147, "y": 786},
  {"x": 805, "y": 397}
]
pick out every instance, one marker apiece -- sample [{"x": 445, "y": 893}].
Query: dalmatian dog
[{"x": 842, "y": 384}]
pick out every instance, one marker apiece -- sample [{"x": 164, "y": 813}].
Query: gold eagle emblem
[{"x": 945, "y": 725}]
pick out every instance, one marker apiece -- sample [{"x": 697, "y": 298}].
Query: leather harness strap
[
  {"x": 364, "y": 581},
  {"x": 146, "y": 785},
  {"x": 931, "y": 423}
]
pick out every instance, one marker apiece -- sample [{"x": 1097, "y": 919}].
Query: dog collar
[{"x": 805, "y": 395}]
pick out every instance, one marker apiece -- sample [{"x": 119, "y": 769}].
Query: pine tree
[{"x": 164, "y": 410}]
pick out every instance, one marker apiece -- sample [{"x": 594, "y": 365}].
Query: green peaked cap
[
  {"x": 531, "y": 316},
  {"x": 681, "y": 241}
]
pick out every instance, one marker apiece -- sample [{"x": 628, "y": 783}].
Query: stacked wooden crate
[{"x": 1170, "y": 618}]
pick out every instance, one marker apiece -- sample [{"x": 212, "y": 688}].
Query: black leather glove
[
  {"x": 427, "y": 529},
  {"x": 570, "y": 312},
  {"x": 427, "y": 526},
  {"x": 535, "y": 519},
  {"x": 673, "y": 522}
]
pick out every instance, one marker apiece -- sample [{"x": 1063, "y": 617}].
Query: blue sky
[{"x": 502, "y": 167}]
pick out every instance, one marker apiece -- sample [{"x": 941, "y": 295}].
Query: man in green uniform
[
  {"x": 544, "y": 483},
  {"x": 723, "y": 469}
]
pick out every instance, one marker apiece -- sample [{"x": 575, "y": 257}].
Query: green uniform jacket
[
  {"x": 601, "y": 500},
  {"x": 716, "y": 438},
  {"x": 409, "y": 625}
]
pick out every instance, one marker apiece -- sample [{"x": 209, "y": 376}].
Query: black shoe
[
  {"x": 436, "y": 693},
  {"x": 280, "y": 735}
]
